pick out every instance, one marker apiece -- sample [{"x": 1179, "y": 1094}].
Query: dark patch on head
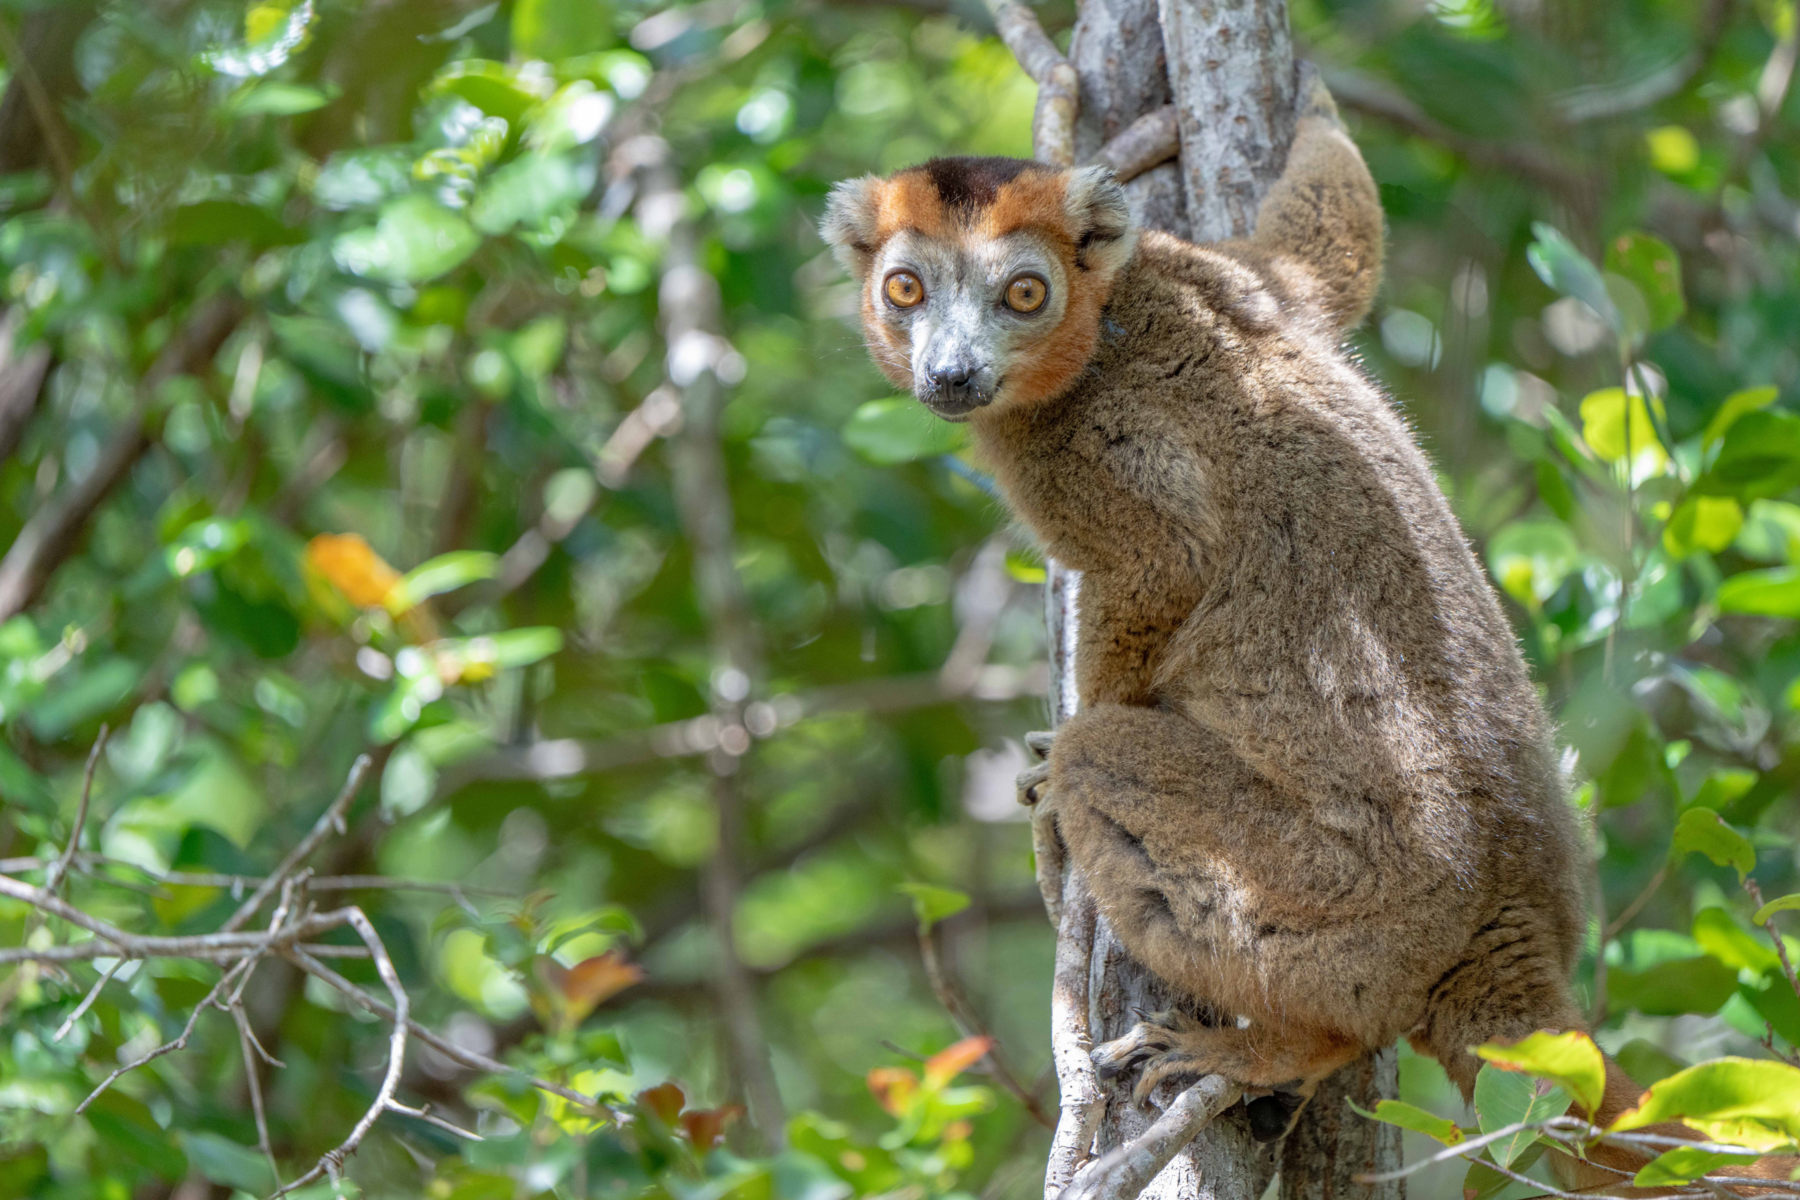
[{"x": 967, "y": 184}]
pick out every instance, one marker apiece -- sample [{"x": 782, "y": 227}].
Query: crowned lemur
[{"x": 1310, "y": 783}]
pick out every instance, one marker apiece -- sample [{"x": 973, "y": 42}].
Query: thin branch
[
  {"x": 169, "y": 1047},
  {"x": 1123, "y": 1173},
  {"x": 246, "y": 1040},
  {"x": 451, "y": 1051},
  {"x": 1058, "y": 100},
  {"x": 969, "y": 1025},
  {"x": 333, "y": 1160},
  {"x": 1787, "y": 967},
  {"x": 60, "y": 868},
  {"x": 1618, "y": 923},
  {"x": 87, "y": 1001},
  {"x": 1149, "y": 141},
  {"x": 53, "y": 532},
  {"x": 331, "y": 819},
  {"x": 423, "y": 1113}
]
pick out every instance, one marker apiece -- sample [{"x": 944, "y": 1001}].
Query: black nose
[{"x": 953, "y": 381}]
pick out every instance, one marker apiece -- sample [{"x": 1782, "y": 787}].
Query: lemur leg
[{"x": 1226, "y": 888}]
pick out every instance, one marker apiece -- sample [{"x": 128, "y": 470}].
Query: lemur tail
[{"x": 1319, "y": 229}]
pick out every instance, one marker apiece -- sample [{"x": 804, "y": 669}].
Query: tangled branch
[{"x": 291, "y": 933}]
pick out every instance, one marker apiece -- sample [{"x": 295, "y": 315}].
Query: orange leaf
[
  {"x": 352, "y": 567},
  {"x": 893, "y": 1088},
  {"x": 592, "y": 981},
  {"x": 704, "y": 1127},
  {"x": 952, "y": 1061},
  {"x": 665, "y": 1100}
]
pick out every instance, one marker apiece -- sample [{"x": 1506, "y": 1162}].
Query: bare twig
[
  {"x": 451, "y": 1051},
  {"x": 60, "y": 868},
  {"x": 169, "y": 1047},
  {"x": 1787, "y": 966},
  {"x": 246, "y": 1040},
  {"x": 969, "y": 1025},
  {"x": 1149, "y": 141},
  {"x": 1618, "y": 923},
  {"x": 1123, "y": 1173},
  {"x": 87, "y": 1001},
  {"x": 332, "y": 1160},
  {"x": 423, "y": 1113},
  {"x": 331, "y": 819}
]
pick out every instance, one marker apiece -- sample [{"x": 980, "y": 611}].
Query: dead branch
[
  {"x": 331, "y": 819},
  {"x": 54, "y": 876},
  {"x": 54, "y": 531},
  {"x": 1123, "y": 1173},
  {"x": 1149, "y": 141}
]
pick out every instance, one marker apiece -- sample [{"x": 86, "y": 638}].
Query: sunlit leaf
[
  {"x": 932, "y": 904},
  {"x": 1774, "y": 592},
  {"x": 351, "y": 565},
  {"x": 893, "y": 1088},
  {"x": 1407, "y": 1116},
  {"x": 1740, "y": 1101},
  {"x": 1737, "y": 405},
  {"x": 445, "y": 573},
  {"x": 1786, "y": 903},
  {"x": 415, "y": 239},
  {"x": 1684, "y": 1164},
  {"x": 1566, "y": 269},
  {"x": 1723, "y": 938},
  {"x": 1604, "y": 429},
  {"x": 1530, "y": 559},
  {"x": 1570, "y": 1060},
  {"x": 952, "y": 1061},
  {"x": 1703, "y": 523},
  {"x": 1654, "y": 270}
]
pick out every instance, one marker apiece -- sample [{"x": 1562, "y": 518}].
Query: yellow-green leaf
[
  {"x": 932, "y": 904},
  {"x": 1570, "y": 1060},
  {"x": 1604, "y": 429},
  {"x": 1723, "y": 938},
  {"x": 1779, "y": 904},
  {"x": 1703, "y": 523},
  {"x": 1740, "y": 1101},
  {"x": 1408, "y": 1116},
  {"x": 1774, "y": 592},
  {"x": 1684, "y": 1164}
]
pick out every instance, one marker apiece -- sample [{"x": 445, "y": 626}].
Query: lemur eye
[
  {"x": 1026, "y": 294},
  {"x": 904, "y": 289}
]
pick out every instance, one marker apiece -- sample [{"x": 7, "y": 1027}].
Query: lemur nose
[{"x": 953, "y": 382}]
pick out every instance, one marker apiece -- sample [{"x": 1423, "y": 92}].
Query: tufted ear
[
  {"x": 851, "y": 221},
  {"x": 1100, "y": 218}
]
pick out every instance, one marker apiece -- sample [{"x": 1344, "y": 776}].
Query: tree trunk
[{"x": 1227, "y": 65}]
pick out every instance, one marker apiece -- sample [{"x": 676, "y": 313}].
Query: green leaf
[
  {"x": 1654, "y": 269},
  {"x": 1505, "y": 1098},
  {"x": 1646, "y": 1062},
  {"x": 1759, "y": 457},
  {"x": 1684, "y": 1164},
  {"x": 1776, "y": 1003},
  {"x": 445, "y": 573},
  {"x": 1703, "y": 831},
  {"x": 1569, "y": 1060},
  {"x": 522, "y": 647},
  {"x": 1482, "y": 1182},
  {"x": 1774, "y": 592},
  {"x": 1739, "y": 1101},
  {"x": 415, "y": 239},
  {"x": 899, "y": 430},
  {"x": 1668, "y": 989},
  {"x": 222, "y": 222},
  {"x": 494, "y": 87},
  {"x": 1407, "y": 1116},
  {"x": 932, "y": 904},
  {"x": 559, "y": 29},
  {"x": 528, "y": 189},
  {"x": 1736, "y": 405},
  {"x": 1703, "y": 523},
  {"x": 125, "y": 1126},
  {"x": 1567, "y": 270},
  {"x": 1723, "y": 938},
  {"x": 280, "y": 100},
  {"x": 224, "y": 1161},
  {"x": 1530, "y": 559},
  {"x": 1780, "y": 904}
]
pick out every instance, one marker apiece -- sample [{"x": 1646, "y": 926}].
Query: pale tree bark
[{"x": 1220, "y": 75}]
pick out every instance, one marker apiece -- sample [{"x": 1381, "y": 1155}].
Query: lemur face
[{"x": 982, "y": 278}]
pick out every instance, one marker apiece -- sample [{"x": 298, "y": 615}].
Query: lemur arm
[{"x": 1319, "y": 230}]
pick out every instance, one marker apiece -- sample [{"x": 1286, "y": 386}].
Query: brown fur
[{"x": 1311, "y": 783}]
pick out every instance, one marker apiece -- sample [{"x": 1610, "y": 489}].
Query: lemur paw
[
  {"x": 1175, "y": 1045},
  {"x": 1046, "y": 842}
]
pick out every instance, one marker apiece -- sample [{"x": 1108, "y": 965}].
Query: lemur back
[{"x": 1310, "y": 784}]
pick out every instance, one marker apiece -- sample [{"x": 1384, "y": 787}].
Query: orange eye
[
  {"x": 904, "y": 289},
  {"x": 1026, "y": 294}
]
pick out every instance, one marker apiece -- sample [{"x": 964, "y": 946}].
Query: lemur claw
[
  {"x": 1039, "y": 742},
  {"x": 1031, "y": 783}
]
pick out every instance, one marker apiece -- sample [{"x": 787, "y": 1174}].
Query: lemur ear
[
  {"x": 1100, "y": 219},
  {"x": 850, "y": 224}
]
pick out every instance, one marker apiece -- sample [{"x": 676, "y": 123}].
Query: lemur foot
[
  {"x": 1175, "y": 1045},
  {"x": 1046, "y": 842}
]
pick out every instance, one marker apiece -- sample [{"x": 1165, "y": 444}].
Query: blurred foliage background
[{"x": 465, "y": 384}]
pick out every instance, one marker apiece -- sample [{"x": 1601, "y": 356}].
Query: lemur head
[{"x": 982, "y": 278}]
